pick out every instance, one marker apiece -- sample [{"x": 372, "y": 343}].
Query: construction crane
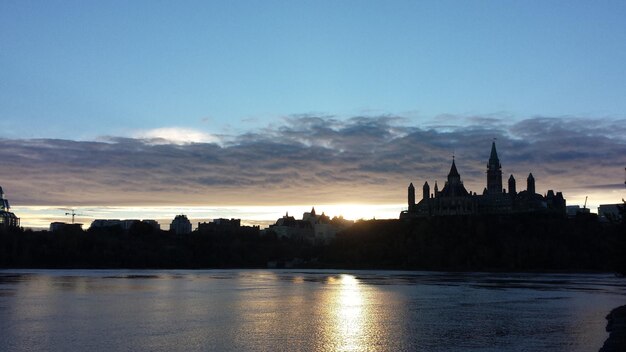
[{"x": 72, "y": 212}]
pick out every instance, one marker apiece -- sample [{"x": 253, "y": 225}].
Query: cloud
[
  {"x": 311, "y": 160},
  {"x": 175, "y": 135}
]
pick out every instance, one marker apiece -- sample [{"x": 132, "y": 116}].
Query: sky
[{"x": 250, "y": 109}]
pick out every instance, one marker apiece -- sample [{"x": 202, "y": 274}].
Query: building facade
[{"x": 454, "y": 199}]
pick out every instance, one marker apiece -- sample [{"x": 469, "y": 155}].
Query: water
[{"x": 292, "y": 310}]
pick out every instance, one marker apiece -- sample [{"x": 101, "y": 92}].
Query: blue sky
[
  {"x": 168, "y": 73},
  {"x": 80, "y": 69}
]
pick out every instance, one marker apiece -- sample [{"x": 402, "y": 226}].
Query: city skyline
[
  {"x": 251, "y": 109},
  {"x": 521, "y": 155}
]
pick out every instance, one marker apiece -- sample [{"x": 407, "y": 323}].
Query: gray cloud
[{"x": 312, "y": 159}]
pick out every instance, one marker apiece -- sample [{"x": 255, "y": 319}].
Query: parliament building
[{"x": 454, "y": 199}]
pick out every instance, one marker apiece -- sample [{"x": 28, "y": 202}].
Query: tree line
[{"x": 463, "y": 243}]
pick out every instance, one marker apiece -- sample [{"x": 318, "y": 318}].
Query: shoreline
[{"x": 331, "y": 268}]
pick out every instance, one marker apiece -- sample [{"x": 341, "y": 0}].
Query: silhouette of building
[
  {"x": 227, "y": 226},
  {"x": 153, "y": 223},
  {"x": 454, "y": 199},
  {"x": 63, "y": 226},
  {"x": 103, "y": 223},
  {"x": 7, "y": 218},
  {"x": 122, "y": 224},
  {"x": 610, "y": 212},
  {"x": 573, "y": 210},
  {"x": 181, "y": 225},
  {"x": 219, "y": 224},
  {"x": 313, "y": 228}
]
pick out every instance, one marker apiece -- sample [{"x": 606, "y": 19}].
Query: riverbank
[
  {"x": 466, "y": 244},
  {"x": 616, "y": 327}
]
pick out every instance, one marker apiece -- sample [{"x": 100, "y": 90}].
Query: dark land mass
[
  {"x": 462, "y": 243},
  {"x": 617, "y": 331}
]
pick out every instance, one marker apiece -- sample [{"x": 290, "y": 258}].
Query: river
[{"x": 303, "y": 310}]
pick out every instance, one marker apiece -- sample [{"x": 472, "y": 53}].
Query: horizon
[{"x": 254, "y": 109}]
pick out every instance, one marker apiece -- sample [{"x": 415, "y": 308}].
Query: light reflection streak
[{"x": 350, "y": 315}]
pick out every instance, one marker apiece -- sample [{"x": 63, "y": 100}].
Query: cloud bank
[{"x": 312, "y": 160}]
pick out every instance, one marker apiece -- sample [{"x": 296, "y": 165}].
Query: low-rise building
[
  {"x": 153, "y": 223},
  {"x": 122, "y": 224},
  {"x": 610, "y": 212},
  {"x": 63, "y": 226},
  {"x": 227, "y": 227},
  {"x": 573, "y": 210}
]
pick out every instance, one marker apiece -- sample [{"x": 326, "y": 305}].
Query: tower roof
[
  {"x": 493, "y": 158},
  {"x": 453, "y": 170}
]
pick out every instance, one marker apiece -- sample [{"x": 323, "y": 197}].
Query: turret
[
  {"x": 530, "y": 184},
  {"x": 494, "y": 172},
  {"x": 426, "y": 191},
  {"x": 512, "y": 189},
  {"x": 436, "y": 189},
  {"x": 411, "y": 196}
]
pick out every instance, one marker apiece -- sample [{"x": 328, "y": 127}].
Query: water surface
[{"x": 295, "y": 310}]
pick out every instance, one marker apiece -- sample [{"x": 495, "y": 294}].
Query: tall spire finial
[{"x": 493, "y": 157}]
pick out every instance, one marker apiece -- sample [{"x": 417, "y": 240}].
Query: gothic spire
[
  {"x": 494, "y": 172},
  {"x": 493, "y": 158}
]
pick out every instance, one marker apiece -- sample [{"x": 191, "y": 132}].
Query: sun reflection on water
[{"x": 349, "y": 313}]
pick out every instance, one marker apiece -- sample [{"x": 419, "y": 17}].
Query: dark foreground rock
[{"x": 617, "y": 331}]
